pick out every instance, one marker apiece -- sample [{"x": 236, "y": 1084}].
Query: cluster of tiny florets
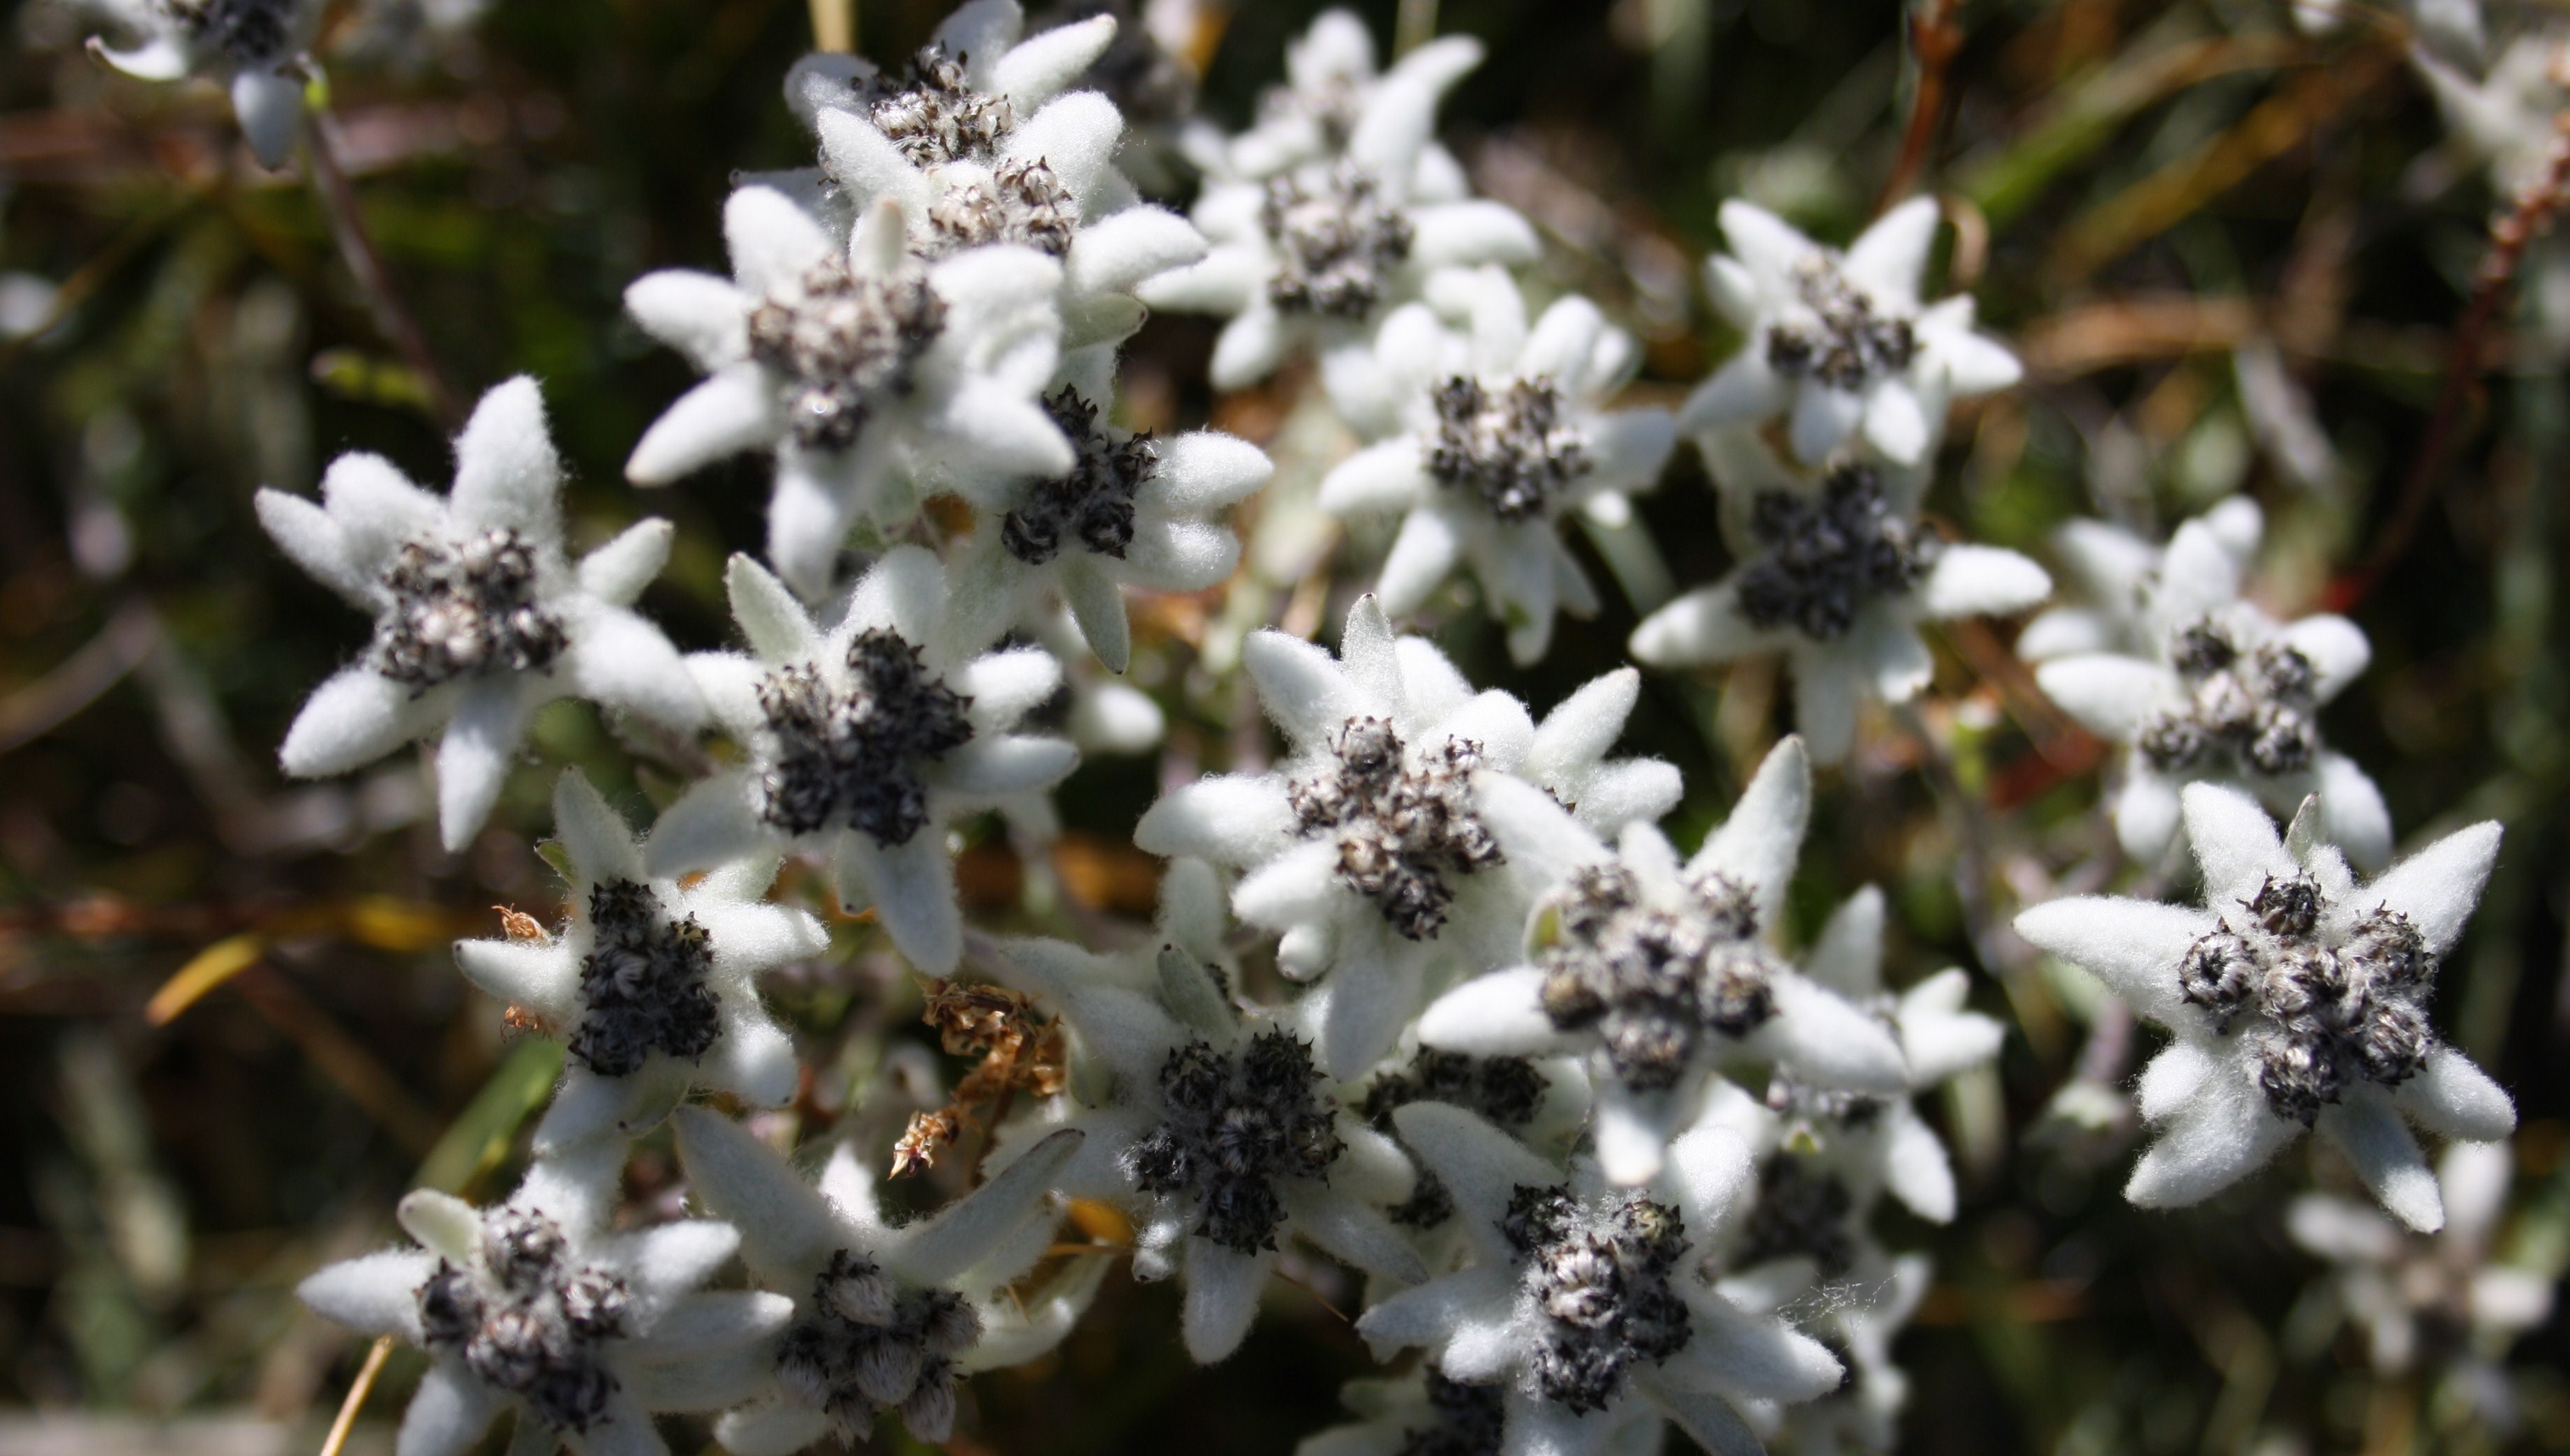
[
  {"x": 532, "y": 1321},
  {"x": 1236, "y": 1124},
  {"x": 843, "y": 343},
  {"x": 1401, "y": 827},
  {"x": 852, "y": 759},
  {"x": 1651, "y": 980},
  {"x": 1826, "y": 559},
  {"x": 1803, "y": 1210},
  {"x": 863, "y": 1345},
  {"x": 1337, "y": 242},
  {"x": 463, "y": 607},
  {"x": 2328, "y": 1015},
  {"x": 1021, "y": 202},
  {"x": 250, "y": 32},
  {"x": 1601, "y": 1271},
  {"x": 1093, "y": 502},
  {"x": 1514, "y": 446},
  {"x": 1850, "y": 345},
  {"x": 1464, "y": 1420},
  {"x": 2258, "y": 705},
  {"x": 1507, "y": 1091},
  {"x": 935, "y": 117},
  {"x": 642, "y": 987}
]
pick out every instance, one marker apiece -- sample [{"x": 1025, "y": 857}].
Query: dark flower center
[
  {"x": 2257, "y": 706},
  {"x": 1094, "y": 502},
  {"x": 1846, "y": 345},
  {"x": 532, "y": 1322},
  {"x": 1236, "y": 1124},
  {"x": 1463, "y": 1420},
  {"x": 863, "y": 1345},
  {"x": 1402, "y": 827},
  {"x": 1652, "y": 980},
  {"x": 250, "y": 32},
  {"x": 1023, "y": 202},
  {"x": 1337, "y": 242},
  {"x": 464, "y": 607},
  {"x": 844, "y": 344},
  {"x": 852, "y": 758},
  {"x": 935, "y": 117},
  {"x": 642, "y": 987},
  {"x": 1600, "y": 1270},
  {"x": 1516, "y": 447},
  {"x": 2328, "y": 1011},
  {"x": 1827, "y": 558}
]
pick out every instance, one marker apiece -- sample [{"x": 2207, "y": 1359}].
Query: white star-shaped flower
[
  {"x": 1218, "y": 1130},
  {"x": 1841, "y": 342},
  {"x": 2227, "y": 694},
  {"x": 2297, "y": 999},
  {"x": 537, "y": 1305},
  {"x": 1584, "y": 1301},
  {"x": 1857, "y": 1322},
  {"x": 479, "y": 617},
  {"x": 1485, "y": 443},
  {"x": 1836, "y": 576},
  {"x": 1659, "y": 973},
  {"x": 1404, "y": 839},
  {"x": 885, "y": 1316},
  {"x": 652, "y": 984},
  {"x": 875, "y": 379},
  {"x": 1317, "y": 253},
  {"x": 1331, "y": 75},
  {"x": 865, "y": 742},
  {"x": 976, "y": 156},
  {"x": 254, "y": 47},
  {"x": 1133, "y": 512},
  {"x": 2113, "y": 569},
  {"x": 2440, "y": 1300}
]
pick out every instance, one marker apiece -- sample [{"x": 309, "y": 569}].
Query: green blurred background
[{"x": 2149, "y": 190}]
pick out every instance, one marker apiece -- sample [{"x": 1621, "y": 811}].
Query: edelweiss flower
[
  {"x": 2227, "y": 695},
  {"x": 2298, "y": 998},
  {"x": 1222, "y": 1134},
  {"x": 1131, "y": 511},
  {"x": 1858, "y": 1324},
  {"x": 1658, "y": 975},
  {"x": 865, "y": 742},
  {"x": 2441, "y": 1301},
  {"x": 1405, "y": 833},
  {"x": 1582, "y": 1303},
  {"x": 1841, "y": 341},
  {"x": 652, "y": 985},
  {"x": 2116, "y": 571},
  {"x": 884, "y": 1318},
  {"x": 480, "y": 617},
  {"x": 1318, "y": 252},
  {"x": 978, "y": 149},
  {"x": 1330, "y": 77},
  {"x": 1836, "y": 576},
  {"x": 537, "y": 1305},
  {"x": 254, "y": 47},
  {"x": 874, "y": 378},
  {"x": 1492, "y": 442}
]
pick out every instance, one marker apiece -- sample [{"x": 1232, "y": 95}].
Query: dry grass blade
[{"x": 358, "y": 1391}]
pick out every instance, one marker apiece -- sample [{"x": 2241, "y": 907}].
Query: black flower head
[
  {"x": 464, "y": 607},
  {"x": 844, "y": 343},
  {"x": 1847, "y": 344},
  {"x": 862, "y": 1344},
  {"x": 2253, "y": 707},
  {"x": 643, "y": 985},
  {"x": 1337, "y": 242},
  {"x": 1600, "y": 1270},
  {"x": 1402, "y": 827},
  {"x": 1093, "y": 504},
  {"x": 852, "y": 759},
  {"x": 1654, "y": 980},
  {"x": 1514, "y": 447},
  {"x": 1237, "y": 1123},
  {"x": 247, "y": 32},
  {"x": 531, "y": 1321},
  {"x": 1824, "y": 557},
  {"x": 935, "y": 117}
]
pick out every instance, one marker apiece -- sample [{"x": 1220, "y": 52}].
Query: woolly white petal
[
  {"x": 1915, "y": 1169},
  {"x": 732, "y": 410},
  {"x": 912, "y": 886},
  {"x": 1705, "y": 626},
  {"x": 1006, "y": 686},
  {"x": 1428, "y": 1313},
  {"x": 1224, "y": 282},
  {"x": 1249, "y": 347},
  {"x": 2438, "y": 886},
  {"x": 1541, "y": 840},
  {"x": 352, "y": 719},
  {"x": 2221, "y": 1137},
  {"x": 1074, "y": 135},
  {"x": 1181, "y": 555},
  {"x": 1360, "y": 1011},
  {"x": 1582, "y": 727},
  {"x": 2111, "y": 695},
  {"x": 599, "y": 841},
  {"x": 1300, "y": 686},
  {"x": 1707, "y": 1419},
  {"x": 1743, "y": 391},
  {"x": 619, "y": 660},
  {"x": 1202, "y": 471},
  {"x": 2452, "y": 1097},
  {"x": 771, "y": 1428},
  {"x": 754, "y": 1059},
  {"x": 713, "y": 823},
  {"x": 1114, "y": 718},
  {"x": 2386, "y": 1157},
  {"x": 377, "y": 509},
  {"x": 1462, "y": 235},
  {"x": 618, "y": 571},
  {"x": 1115, "y": 253},
  {"x": 772, "y": 241},
  {"x": 2335, "y": 648},
  {"x": 2353, "y": 813},
  {"x": 2133, "y": 946},
  {"x": 473, "y": 758},
  {"x": 1298, "y": 884},
  {"x": 1497, "y": 1014},
  {"x": 1628, "y": 448},
  {"x": 2237, "y": 845},
  {"x": 1765, "y": 243},
  {"x": 1423, "y": 556},
  {"x": 776, "y": 626},
  {"x": 1222, "y": 1297},
  {"x": 701, "y": 316},
  {"x": 1349, "y": 1231},
  {"x": 1892, "y": 254},
  {"x": 2198, "y": 576},
  {"x": 2146, "y": 813},
  {"x": 448, "y": 1413},
  {"x": 1979, "y": 581},
  {"x": 1826, "y": 1039},
  {"x": 1628, "y": 791},
  {"x": 786, "y": 1230},
  {"x": 1824, "y": 417},
  {"x": 1739, "y": 1356},
  {"x": 1976, "y": 364},
  {"x": 1231, "y": 819},
  {"x": 269, "y": 107},
  {"x": 374, "y": 1293},
  {"x": 1385, "y": 476},
  {"x": 1896, "y": 422},
  {"x": 313, "y": 541},
  {"x": 1711, "y": 1170},
  {"x": 1758, "y": 843},
  {"x": 963, "y": 1233},
  {"x": 505, "y": 470},
  {"x": 1848, "y": 955},
  {"x": 1477, "y": 1163},
  {"x": 1044, "y": 64}
]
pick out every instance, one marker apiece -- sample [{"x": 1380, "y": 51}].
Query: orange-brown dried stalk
[{"x": 1020, "y": 1049}]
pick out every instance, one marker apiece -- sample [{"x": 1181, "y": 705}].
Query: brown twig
[
  {"x": 1934, "y": 37},
  {"x": 2512, "y": 234},
  {"x": 358, "y": 1389},
  {"x": 366, "y": 261}
]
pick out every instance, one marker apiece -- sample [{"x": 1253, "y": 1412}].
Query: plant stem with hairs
[{"x": 366, "y": 261}]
